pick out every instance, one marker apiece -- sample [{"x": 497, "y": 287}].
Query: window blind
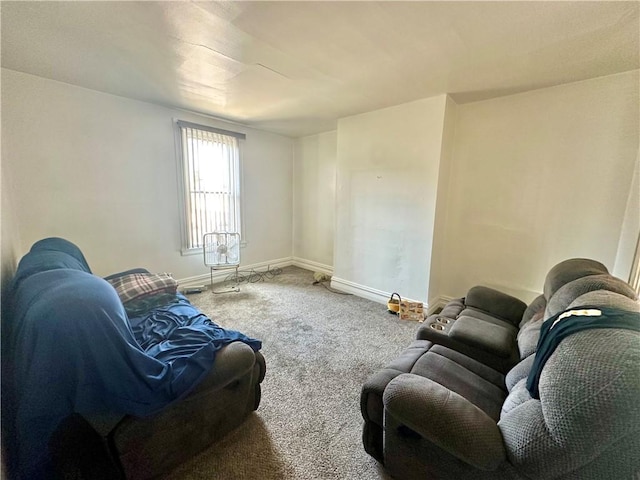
[{"x": 210, "y": 164}]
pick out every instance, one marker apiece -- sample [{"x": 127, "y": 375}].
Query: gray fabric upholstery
[
  {"x": 446, "y": 419},
  {"x": 409, "y": 456},
  {"x": 569, "y": 270},
  {"x": 520, "y": 371},
  {"x": 496, "y": 303},
  {"x": 605, "y": 298},
  {"x": 517, "y": 396},
  {"x": 482, "y": 306},
  {"x": 585, "y": 425},
  {"x": 534, "y": 311},
  {"x": 493, "y": 338},
  {"x": 453, "y": 308},
  {"x": 528, "y": 338},
  {"x": 485, "y": 317},
  {"x": 371, "y": 396},
  {"x": 572, "y": 290},
  {"x": 480, "y": 391},
  {"x": 589, "y": 392},
  {"x": 501, "y": 364}
]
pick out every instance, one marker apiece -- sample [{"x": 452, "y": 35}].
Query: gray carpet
[{"x": 319, "y": 347}]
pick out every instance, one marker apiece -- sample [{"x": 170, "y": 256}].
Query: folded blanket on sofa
[
  {"x": 75, "y": 350},
  {"x": 571, "y": 321}
]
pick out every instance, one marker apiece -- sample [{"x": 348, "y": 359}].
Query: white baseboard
[
  {"x": 313, "y": 266},
  {"x": 220, "y": 275},
  {"x": 363, "y": 291}
]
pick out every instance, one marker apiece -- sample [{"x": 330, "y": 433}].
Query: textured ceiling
[{"x": 296, "y": 67}]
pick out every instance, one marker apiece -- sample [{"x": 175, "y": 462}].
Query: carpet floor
[{"x": 319, "y": 347}]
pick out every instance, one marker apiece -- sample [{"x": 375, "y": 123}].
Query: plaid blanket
[{"x": 135, "y": 286}]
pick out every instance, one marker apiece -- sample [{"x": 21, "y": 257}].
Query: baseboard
[
  {"x": 313, "y": 266},
  {"x": 363, "y": 291},
  {"x": 220, "y": 275}
]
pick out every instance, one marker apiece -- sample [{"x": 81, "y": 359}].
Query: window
[{"x": 211, "y": 181}]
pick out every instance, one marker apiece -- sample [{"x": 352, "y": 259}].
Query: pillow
[{"x": 135, "y": 286}]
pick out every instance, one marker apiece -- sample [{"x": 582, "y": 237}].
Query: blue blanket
[{"x": 75, "y": 350}]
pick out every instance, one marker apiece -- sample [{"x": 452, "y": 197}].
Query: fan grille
[{"x": 221, "y": 249}]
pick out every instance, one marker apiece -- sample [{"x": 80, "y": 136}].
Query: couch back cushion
[
  {"x": 569, "y": 270},
  {"x": 569, "y": 292},
  {"x": 528, "y": 337},
  {"x": 534, "y": 311}
]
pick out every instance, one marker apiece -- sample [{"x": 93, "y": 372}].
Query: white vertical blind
[{"x": 211, "y": 164}]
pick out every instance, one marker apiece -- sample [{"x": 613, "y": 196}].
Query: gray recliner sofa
[
  {"x": 486, "y": 324},
  {"x": 435, "y": 412}
]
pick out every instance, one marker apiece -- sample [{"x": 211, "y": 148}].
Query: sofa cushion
[
  {"x": 568, "y": 271},
  {"x": 572, "y": 290},
  {"x": 517, "y": 396},
  {"x": 485, "y": 317},
  {"x": 520, "y": 371},
  {"x": 534, "y": 311},
  {"x": 371, "y": 396},
  {"x": 528, "y": 338},
  {"x": 497, "y": 303},
  {"x": 488, "y": 336},
  {"x": 481, "y": 391},
  {"x": 604, "y": 298}
]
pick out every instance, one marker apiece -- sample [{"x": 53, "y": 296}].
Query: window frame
[{"x": 183, "y": 187}]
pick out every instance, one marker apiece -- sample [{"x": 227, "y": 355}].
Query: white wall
[
  {"x": 9, "y": 235},
  {"x": 537, "y": 178},
  {"x": 440, "y": 240},
  {"x": 314, "y": 201},
  {"x": 387, "y": 179},
  {"x": 101, "y": 171},
  {"x": 630, "y": 229}
]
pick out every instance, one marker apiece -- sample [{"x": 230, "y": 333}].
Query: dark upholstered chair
[
  {"x": 436, "y": 413},
  {"x": 112, "y": 447}
]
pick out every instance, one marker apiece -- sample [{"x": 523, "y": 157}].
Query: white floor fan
[{"x": 222, "y": 252}]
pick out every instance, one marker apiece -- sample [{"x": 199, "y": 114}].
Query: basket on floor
[{"x": 405, "y": 309}]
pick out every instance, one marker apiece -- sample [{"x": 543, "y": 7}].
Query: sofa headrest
[
  {"x": 569, "y": 270},
  {"x": 604, "y": 298},
  {"x": 534, "y": 311},
  {"x": 569, "y": 292}
]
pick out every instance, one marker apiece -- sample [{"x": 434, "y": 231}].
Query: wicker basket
[{"x": 393, "y": 305}]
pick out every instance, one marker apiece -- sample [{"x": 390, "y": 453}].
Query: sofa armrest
[
  {"x": 497, "y": 303},
  {"x": 231, "y": 363},
  {"x": 446, "y": 419}
]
